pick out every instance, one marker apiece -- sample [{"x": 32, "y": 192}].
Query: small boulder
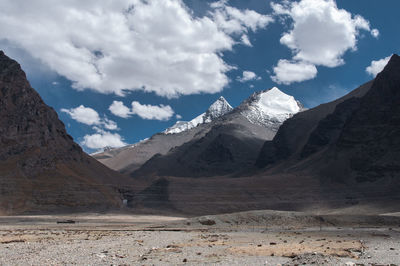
[{"x": 207, "y": 222}]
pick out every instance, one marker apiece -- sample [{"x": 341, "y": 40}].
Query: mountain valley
[{"x": 325, "y": 158}]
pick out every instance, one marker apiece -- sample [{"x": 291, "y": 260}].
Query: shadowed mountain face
[
  {"x": 130, "y": 158},
  {"x": 230, "y": 144},
  {"x": 294, "y": 133},
  {"x": 223, "y": 140},
  {"x": 41, "y": 168},
  {"x": 370, "y": 138},
  {"x": 343, "y": 155},
  {"x": 358, "y": 143},
  {"x": 340, "y": 155}
]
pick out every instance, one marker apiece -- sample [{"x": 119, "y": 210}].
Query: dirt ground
[{"x": 252, "y": 238}]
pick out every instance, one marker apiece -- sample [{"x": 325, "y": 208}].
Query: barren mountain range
[
  {"x": 267, "y": 153},
  {"x": 342, "y": 154},
  {"x": 223, "y": 140},
  {"x": 357, "y": 142}
]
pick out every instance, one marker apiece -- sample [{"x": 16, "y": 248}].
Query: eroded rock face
[
  {"x": 295, "y": 132},
  {"x": 41, "y": 167},
  {"x": 28, "y": 125},
  {"x": 357, "y": 141},
  {"x": 371, "y": 135}
]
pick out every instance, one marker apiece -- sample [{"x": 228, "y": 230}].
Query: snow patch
[
  {"x": 217, "y": 109},
  {"x": 270, "y": 108}
]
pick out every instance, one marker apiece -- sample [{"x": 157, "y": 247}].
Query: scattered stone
[
  {"x": 101, "y": 256},
  {"x": 66, "y": 222},
  {"x": 172, "y": 246},
  {"x": 207, "y": 222},
  {"x": 313, "y": 258},
  {"x": 13, "y": 241}
]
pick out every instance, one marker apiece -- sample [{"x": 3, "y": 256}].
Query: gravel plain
[{"x": 213, "y": 240}]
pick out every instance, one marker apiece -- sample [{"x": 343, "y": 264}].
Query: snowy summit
[
  {"x": 217, "y": 109},
  {"x": 270, "y": 107}
]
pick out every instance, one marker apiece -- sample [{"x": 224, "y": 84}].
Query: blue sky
[{"x": 188, "y": 88}]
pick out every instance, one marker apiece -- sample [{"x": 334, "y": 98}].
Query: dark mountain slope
[
  {"x": 294, "y": 132},
  {"x": 342, "y": 156},
  {"x": 41, "y": 168},
  {"x": 128, "y": 159},
  {"x": 232, "y": 142},
  {"x": 358, "y": 142},
  {"x": 369, "y": 142}
]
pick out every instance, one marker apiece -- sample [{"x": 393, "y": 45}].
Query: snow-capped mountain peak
[
  {"x": 217, "y": 109},
  {"x": 276, "y": 103},
  {"x": 270, "y": 107}
]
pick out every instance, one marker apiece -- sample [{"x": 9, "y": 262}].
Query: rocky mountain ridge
[
  {"x": 352, "y": 143},
  {"x": 342, "y": 155},
  {"x": 41, "y": 167},
  {"x": 231, "y": 143},
  {"x": 270, "y": 107},
  {"x": 257, "y": 117},
  {"x": 217, "y": 109}
]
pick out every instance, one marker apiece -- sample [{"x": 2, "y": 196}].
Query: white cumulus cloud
[
  {"x": 152, "y": 112},
  {"x": 377, "y": 66},
  {"x": 115, "y": 46},
  {"x": 83, "y": 115},
  {"x": 287, "y": 72},
  {"x": 119, "y": 109},
  {"x": 247, "y": 76},
  {"x": 245, "y": 40},
  {"x": 320, "y": 34},
  {"x": 109, "y": 124},
  {"x": 235, "y": 21},
  {"x": 145, "y": 111},
  {"x": 90, "y": 117},
  {"x": 375, "y": 33},
  {"x": 103, "y": 139}
]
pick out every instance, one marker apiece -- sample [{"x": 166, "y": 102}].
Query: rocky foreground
[{"x": 250, "y": 238}]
